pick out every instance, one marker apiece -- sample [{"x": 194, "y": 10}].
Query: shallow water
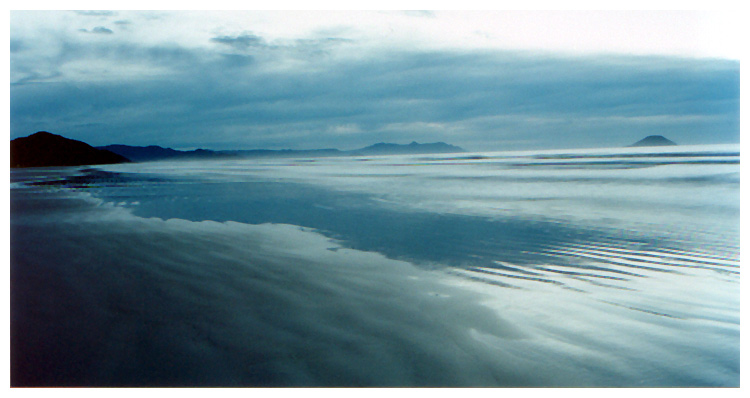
[{"x": 580, "y": 268}]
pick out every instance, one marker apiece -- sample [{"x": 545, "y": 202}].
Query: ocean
[{"x": 578, "y": 268}]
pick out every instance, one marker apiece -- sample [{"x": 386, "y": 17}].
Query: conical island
[{"x": 654, "y": 140}]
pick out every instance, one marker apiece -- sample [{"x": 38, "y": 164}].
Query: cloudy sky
[{"x": 486, "y": 80}]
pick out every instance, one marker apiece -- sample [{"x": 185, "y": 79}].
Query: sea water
[{"x": 601, "y": 267}]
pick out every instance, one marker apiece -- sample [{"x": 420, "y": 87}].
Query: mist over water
[{"x": 580, "y": 268}]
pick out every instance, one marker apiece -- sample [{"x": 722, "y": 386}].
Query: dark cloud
[
  {"x": 479, "y": 100},
  {"x": 241, "y": 42},
  {"x": 102, "y": 29},
  {"x": 120, "y": 54},
  {"x": 16, "y": 46},
  {"x": 98, "y": 30},
  {"x": 237, "y": 60},
  {"x": 300, "y": 48}
]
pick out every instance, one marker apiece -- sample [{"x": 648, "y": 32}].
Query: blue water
[{"x": 608, "y": 267}]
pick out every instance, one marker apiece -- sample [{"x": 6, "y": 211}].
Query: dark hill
[
  {"x": 654, "y": 140},
  {"x": 44, "y": 149}
]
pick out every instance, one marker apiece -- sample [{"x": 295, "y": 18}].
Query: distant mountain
[
  {"x": 654, "y": 140},
  {"x": 44, "y": 149},
  {"x": 154, "y": 153},
  {"x": 413, "y": 148}
]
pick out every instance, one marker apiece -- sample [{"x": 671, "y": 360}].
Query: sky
[{"x": 482, "y": 80}]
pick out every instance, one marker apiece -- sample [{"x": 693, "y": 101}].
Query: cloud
[
  {"x": 281, "y": 51},
  {"x": 419, "y": 13},
  {"x": 16, "y": 46},
  {"x": 98, "y": 30},
  {"x": 327, "y": 92},
  {"x": 240, "y": 42},
  {"x": 96, "y": 13}
]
